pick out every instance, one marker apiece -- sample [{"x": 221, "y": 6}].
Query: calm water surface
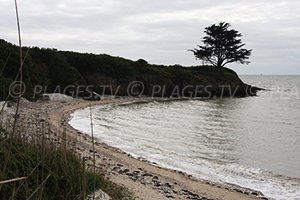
[{"x": 253, "y": 142}]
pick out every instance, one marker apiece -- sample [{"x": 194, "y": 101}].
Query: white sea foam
[{"x": 220, "y": 141}]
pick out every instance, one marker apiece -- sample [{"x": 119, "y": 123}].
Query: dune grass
[{"x": 50, "y": 173}]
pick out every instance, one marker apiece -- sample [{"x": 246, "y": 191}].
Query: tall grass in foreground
[
  {"x": 50, "y": 172},
  {"x": 37, "y": 163}
]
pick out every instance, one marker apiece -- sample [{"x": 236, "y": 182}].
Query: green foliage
[
  {"x": 64, "y": 169},
  {"x": 36, "y": 162},
  {"x": 4, "y": 87},
  {"x": 222, "y": 46},
  {"x": 142, "y": 63},
  {"x": 51, "y": 69}
]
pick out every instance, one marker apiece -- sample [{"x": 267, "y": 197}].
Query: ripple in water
[{"x": 252, "y": 142}]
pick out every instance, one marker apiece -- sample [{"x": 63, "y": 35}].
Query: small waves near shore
[{"x": 253, "y": 142}]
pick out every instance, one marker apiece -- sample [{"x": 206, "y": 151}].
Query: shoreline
[
  {"x": 146, "y": 180},
  {"x": 142, "y": 178}
]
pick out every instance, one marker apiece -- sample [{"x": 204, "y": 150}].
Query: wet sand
[{"x": 143, "y": 179}]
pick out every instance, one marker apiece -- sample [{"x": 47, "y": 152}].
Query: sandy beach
[{"x": 143, "y": 179}]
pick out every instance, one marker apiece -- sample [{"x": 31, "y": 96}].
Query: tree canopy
[{"x": 222, "y": 46}]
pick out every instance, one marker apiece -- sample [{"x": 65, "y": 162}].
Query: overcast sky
[{"x": 159, "y": 31}]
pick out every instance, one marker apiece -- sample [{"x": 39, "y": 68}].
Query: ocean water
[{"x": 253, "y": 142}]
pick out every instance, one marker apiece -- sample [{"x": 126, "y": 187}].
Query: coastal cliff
[{"x": 70, "y": 72}]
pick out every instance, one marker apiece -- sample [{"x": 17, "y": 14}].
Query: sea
[{"x": 252, "y": 142}]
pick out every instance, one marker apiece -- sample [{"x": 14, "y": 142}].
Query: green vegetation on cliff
[{"x": 51, "y": 68}]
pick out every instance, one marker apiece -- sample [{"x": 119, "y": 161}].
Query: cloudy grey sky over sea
[{"x": 160, "y": 31}]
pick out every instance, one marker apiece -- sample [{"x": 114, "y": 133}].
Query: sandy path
[{"x": 143, "y": 179}]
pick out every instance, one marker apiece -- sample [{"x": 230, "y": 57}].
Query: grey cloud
[{"x": 159, "y": 31}]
